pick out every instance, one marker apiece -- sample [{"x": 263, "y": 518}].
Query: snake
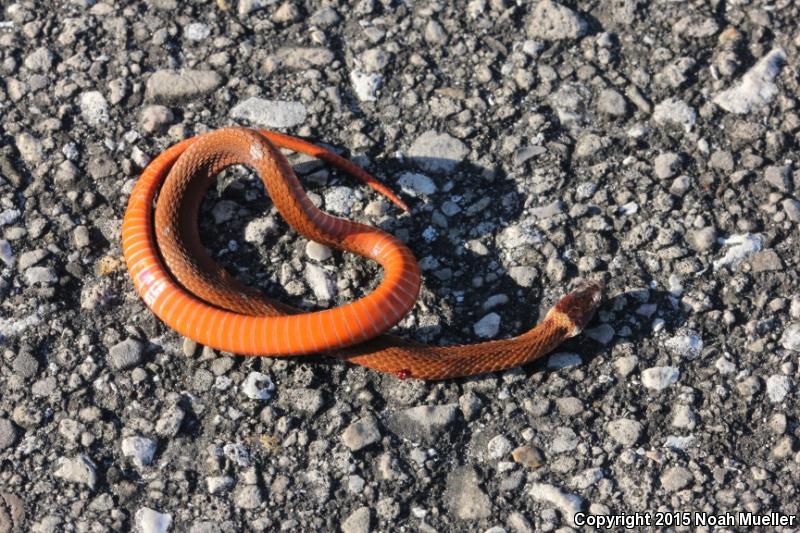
[{"x": 190, "y": 292}]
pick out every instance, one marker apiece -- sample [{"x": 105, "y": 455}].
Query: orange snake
[{"x": 195, "y": 296}]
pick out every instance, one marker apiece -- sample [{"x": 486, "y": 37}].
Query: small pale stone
[
  {"x": 366, "y": 85},
  {"x": 151, "y": 521},
  {"x": 321, "y": 285},
  {"x": 660, "y": 377},
  {"x": 175, "y": 86},
  {"x": 568, "y": 504},
  {"x": 778, "y": 387},
  {"x": 361, "y": 433},
  {"x": 358, "y": 521},
  {"x": 94, "y": 108},
  {"x": 258, "y": 386},
  {"x": 676, "y": 478},
  {"x": 125, "y": 354},
  {"x": 140, "y": 449},
  {"x": 437, "y": 152},
  {"x": 413, "y": 183},
  {"x": 488, "y": 326},
  {"x": 464, "y": 496},
  {"x": 756, "y": 88},
  {"x": 673, "y": 111},
  {"x": 625, "y": 431},
  {"x": 790, "y": 339},
  {"x": 317, "y": 251},
  {"x": 79, "y": 469},
  {"x": 550, "y": 21},
  {"x": 279, "y": 114},
  {"x": 498, "y": 447},
  {"x": 688, "y": 345}
]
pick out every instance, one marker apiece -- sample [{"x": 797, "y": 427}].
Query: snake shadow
[{"x": 452, "y": 230}]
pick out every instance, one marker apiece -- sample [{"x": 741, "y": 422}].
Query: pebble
[
  {"x": 286, "y": 13},
  {"x": 125, "y": 354},
  {"x": 339, "y": 200},
  {"x": 437, "y": 152},
  {"x": 569, "y": 504},
  {"x": 702, "y": 239},
  {"x": 660, "y": 377},
  {"x": 31, "y": 151},
  {"x": 358, "y": 521},
  {"x": 675, "y": 112},
  {"x": 778, "y": 387},
  {"x": 422, "y": 423},
  {"x": 464, "y": 496},
  {"x": 173, "y": 86},
  {"x": 470, "y": 404},
  {"x": 40, "y": 60},
  {"x": 219, "y": 484},
  {"x": 169, "y": 423},
  {"x": 625, "y": 431},
  {"x": 488, "y": 326},
  {"x": 39, "y": 275},
  {"x": 790, "y": 339},
  {"x": 8, "y": 433},
  {"x": 246, "y": 7},
  {"x": 258, "y": 386},
  {"x": 562, "y": 360},
  {"x": 155, "y": 118},
  {"x": 756, "y": 88},
  {"x": 612, "y": 103},
  {"x": 197, "y": 31},
  {"x": 151, "y": 521},
  {"x": 792, "y": 209},
  {"x": 256, "y": 231},
  {"x": 237, "y": 453},
  {"x": 279, "y": 114},
  {"x": 550, "y": 21},
  {"x": 81, "y": 237},
  {"x": 414, "y": 184},
  {"x": 94, "y": 108},
  {"x": 779, "y": 176},
  {"x": 528, "y": 456},
  {"x": 586, "y": 478},
  {"x": 248, "y": 497},
  {"x": 604, "y": 333},
  {"x": 361, "y": 433},
  {"x": 676, "y": 478},
  {"x": 688, "y": 345},
  {"x": 683, "y": 417},
  {"x": 78, "y": 469},
  {"x": 564, "y": 440},
  {"x": 302, "y": 400},
  {"x": 524, "y": 276},
  {"x": 498, "y": 447},
  {"x": 6, "y": 253},
  {"x": 666, "y": 165},
  {"x": 320, "y": 283},
  {"x": 766, "y": 261},
  {"x": 739, "y": 248},
  {"x": 366, "y": 85},
  {"x": 317, "y": 251},
  {"x": 140, "y": 449},
  {"x": 521, "y": 155}
]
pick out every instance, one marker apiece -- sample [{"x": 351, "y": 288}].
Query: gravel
[
  {"x": 650, "y": 146},
  {"x": 270, "y": 113}
]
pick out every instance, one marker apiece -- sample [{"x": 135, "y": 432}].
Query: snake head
[{"x": 579, "y": 305}]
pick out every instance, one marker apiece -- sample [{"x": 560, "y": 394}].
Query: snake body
[{"x": 196, "y": 297}]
